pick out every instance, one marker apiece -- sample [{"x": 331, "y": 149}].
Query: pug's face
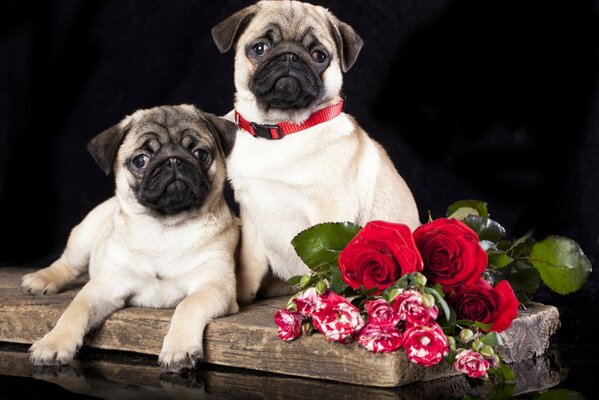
[
  {"x": 166, "y": 159},
  {"x": 289, "y": 55}
]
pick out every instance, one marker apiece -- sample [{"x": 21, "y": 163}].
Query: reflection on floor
[{"x": 112, "y": 375}]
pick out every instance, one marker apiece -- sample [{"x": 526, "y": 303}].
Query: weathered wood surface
[
  {"x": 114, "y": 375},
  {"x": 249, "y": 339}
]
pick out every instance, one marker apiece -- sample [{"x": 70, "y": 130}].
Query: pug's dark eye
[
  {"x": 260, "y": 48},
  {"x": 140, "y": 161},
  {"x": 202, "y": 154},
  {"x": 319, "y": 56}
]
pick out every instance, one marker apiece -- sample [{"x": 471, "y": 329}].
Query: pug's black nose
[{"x": 289, "y": 57}]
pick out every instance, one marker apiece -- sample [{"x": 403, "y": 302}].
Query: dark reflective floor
[{"x": 110, "y": 375}]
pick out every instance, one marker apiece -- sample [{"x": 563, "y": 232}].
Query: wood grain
[{"x": 249, "y": 339}]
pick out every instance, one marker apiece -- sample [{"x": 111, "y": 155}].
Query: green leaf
[
  {"x": 522, "y": 245},
  {"x": 439, "y": 288},
  {"x": 462, "y": 208},
  {"x": 562, "y": 264},
  {"x": 492, "y": 339},
  {"x": 484, "y": 327},
  {"x": 503, "y": 373},
  {"x": 391, "y": 293},
  {"x": 499, "y": 259},
  {"x": 322, "y": 243},
  {"x": 440, "y": 301},
  {"x": 294, "y": 280},
  {"x": 465, "y": 322},
  {"x": 449, "y": 326},
  {"x": 337, "y": 284},
  {"x": 524, "y": 278},
  {"x": 485, "y": 228}
]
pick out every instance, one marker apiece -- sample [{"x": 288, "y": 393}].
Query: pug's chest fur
[
  {"x": 285, "y": 186},
  {"x": 157, "y": 266}
]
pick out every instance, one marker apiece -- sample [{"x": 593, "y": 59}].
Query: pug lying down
[{"x": 166, "y": 239}]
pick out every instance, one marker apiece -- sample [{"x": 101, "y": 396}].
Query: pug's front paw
[
  {"x": 48, "y": 280},
  {"x": 53, "y": 349},
  {"x": 175, "y": 356}
]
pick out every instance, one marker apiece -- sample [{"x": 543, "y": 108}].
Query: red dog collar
[{"x": 287, "y": 128}]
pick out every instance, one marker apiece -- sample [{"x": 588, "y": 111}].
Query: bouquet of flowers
[{"x": 440, "y": 293}]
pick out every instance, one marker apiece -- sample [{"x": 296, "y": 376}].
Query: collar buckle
[{"x": 265, "y": 131}]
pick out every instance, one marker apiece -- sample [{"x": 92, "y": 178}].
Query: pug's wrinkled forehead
[
  {"x": 167, "y": 125},
  {"x": 291, "y": 21}
]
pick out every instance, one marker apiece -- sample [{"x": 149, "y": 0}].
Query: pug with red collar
[{"x": 298, "y": 159}]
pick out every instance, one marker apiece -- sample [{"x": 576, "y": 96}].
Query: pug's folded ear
[
  {"x": 348, "y": 43},
  {"x": 224, "y": 132},
  {"x": 225, "y": 34},
  {"x": 104, "y": 147}
]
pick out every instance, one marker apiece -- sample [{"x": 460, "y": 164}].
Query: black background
[{"x": 495, "y": 100}]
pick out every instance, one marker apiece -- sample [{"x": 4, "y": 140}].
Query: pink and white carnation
[
  {"x": 381, "y": 313},
  {"x": 425, "y": 345},
  {"x": 337, "y": 318},
  {"x": 289, "y": 323},
  {"x": 471, "y": 363},
  {"x": 380, "y": 338},
  {"x": 307, "y": 302},
  {"x": 410, "y": 308}
]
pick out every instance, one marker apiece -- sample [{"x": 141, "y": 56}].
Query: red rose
[
  {"x": 378, "y": 256},
  {"x": 307, "y": 302},
  {"x": 471, "y": 363},
  {"x": 381, "y": 313},
  {"x": 290, "y": 324},
  {"x": 451, "y": 252},
  {"x": 482, "y": 302},
  {"x": 337, "y": 318},
  {"x": 379, "y": 338},
  {"x": 425, "y": 345},
  {"x": 409, "y": 307}
]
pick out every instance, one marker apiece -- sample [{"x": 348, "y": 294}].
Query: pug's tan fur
[
  {"x": 330, "y": 172},
  {"x": 142, "y": 257}
]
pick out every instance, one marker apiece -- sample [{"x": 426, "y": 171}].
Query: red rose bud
[
  {"x": 381, "y": 313},
  {"x": 410, "y": 307},
  {"x": 289, "y": 323},
  {"x": 425, "y": 345},
  {"x": 451, "y": 252},
  {"x": 471, "y": 363},
  {"x": 337, "y": 318},
  {"x": 379, "y": 255},
  {"x": 379, "y": 338},
  {"x": 481, "y": 302}
]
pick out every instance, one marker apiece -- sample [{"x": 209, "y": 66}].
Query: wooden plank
[
  {"x": 248, "y": 339},
  {"x": 114, "y": 375}
]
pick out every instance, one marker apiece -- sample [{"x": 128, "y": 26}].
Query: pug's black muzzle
[
  {"x": 172, "y": 186},
  {"x": 286, "y": 81}
]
